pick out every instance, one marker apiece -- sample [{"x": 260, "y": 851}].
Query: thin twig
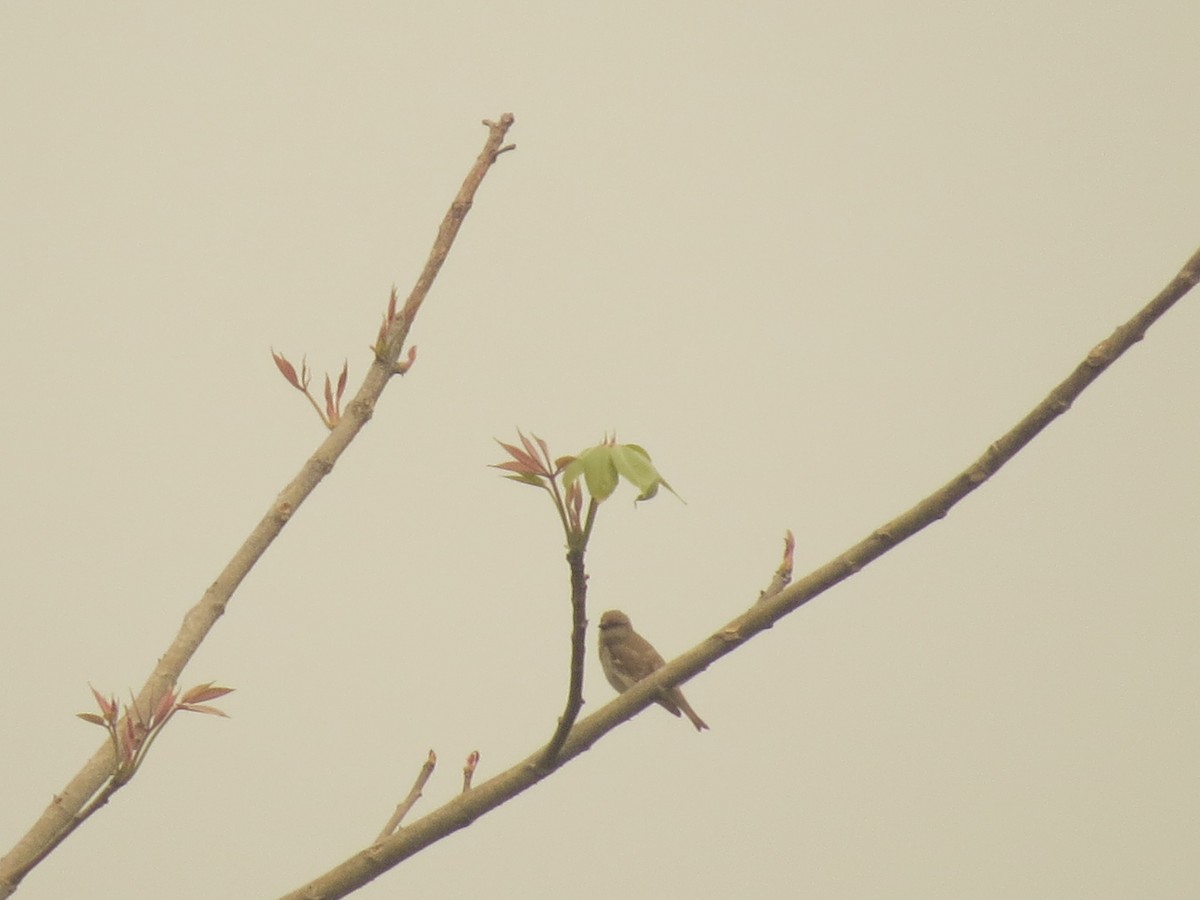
[
  {"x": 204, "y": 615},
  {"x": 414, "y": 795},
  {"x": 466, "y": 808},
  {"x": 783, "y": 575},
  {"x": 578, "y": 650},
  {"x": 469, "y": 769}
]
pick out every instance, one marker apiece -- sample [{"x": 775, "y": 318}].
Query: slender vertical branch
[
  {"x": 532, "y": 464},
  {"x": 578, "y": 648}
]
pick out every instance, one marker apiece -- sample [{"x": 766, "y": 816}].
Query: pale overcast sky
[{"x": 813, "y": 256}]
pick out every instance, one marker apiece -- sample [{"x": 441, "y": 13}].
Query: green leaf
[
  {"x": 633, "y": 463},
  {"x": 571, "y": 472},
  {"x": 603, "y": 466},
  {"x": 595, "y": 464},
  {"x": 600, "y": 473}
]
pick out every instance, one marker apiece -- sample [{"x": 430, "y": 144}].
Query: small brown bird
[{"x": 627, "y": 658}]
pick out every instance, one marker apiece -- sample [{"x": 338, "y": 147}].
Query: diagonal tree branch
[
  {"x": 62, "y": 816},
  {"x": 465, "y": 808}
]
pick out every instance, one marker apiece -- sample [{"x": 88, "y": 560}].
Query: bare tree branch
[
  {"x": 469, "y": 769},
  {"x": 467, "y": 807},
  {"x": 783, "y": 575},
  {"x": 578, "y": 648},
  {"x": 200, "y": 619},
  {"x": 414, "y": 795}
]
